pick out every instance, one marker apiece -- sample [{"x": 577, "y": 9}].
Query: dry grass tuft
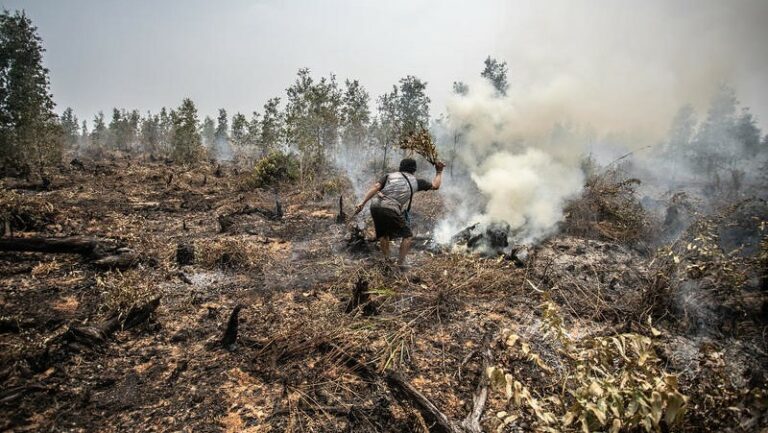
[
  {"x": 230, "y": 253},
  {"x": 122, "y": 290}
]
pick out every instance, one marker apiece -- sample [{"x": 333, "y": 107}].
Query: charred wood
[
  {"x": 185, "y": 254},
  {"x": 341, "y": 217},
  {"x": 102, "y": 252},
  {"x": 77, "y": 164},
  {"x": 361, "y": 300},
  {"x": 90, "y": 337},
  {"x": 85, "y": 246},
  {"x": 278, "y": 207},
  {"x": 229, "y": 339}
]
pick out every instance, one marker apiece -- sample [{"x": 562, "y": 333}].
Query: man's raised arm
[{"x": 438, "y": 180}]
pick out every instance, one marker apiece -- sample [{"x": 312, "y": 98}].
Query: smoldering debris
[{"x": 492, "y": 240}]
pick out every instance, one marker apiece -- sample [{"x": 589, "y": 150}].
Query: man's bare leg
[
  {"x": 384, "y": 245},
  {"x": 405, "y": 246}
]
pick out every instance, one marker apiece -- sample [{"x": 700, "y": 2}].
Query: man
[{"x": 392, "y": 197}]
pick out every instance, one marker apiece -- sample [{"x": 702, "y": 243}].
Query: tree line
[
  {"x": 315, "y": 120},
  {"x": 725, "y": 145}
]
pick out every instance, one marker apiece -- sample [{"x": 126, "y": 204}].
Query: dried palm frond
[{"x": 420, "y": 142}]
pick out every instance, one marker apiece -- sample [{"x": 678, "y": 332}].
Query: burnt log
[
  {"x": 356, "y": 241},
  {"x": 94, "y": 335},
  {"x": 101, "y": 252},
  {"x": 77, "y": 164},
  {"x": 121, "y": 260},
  {"x": 84, "y": 246},
  {"x": 492, "y": 240}
]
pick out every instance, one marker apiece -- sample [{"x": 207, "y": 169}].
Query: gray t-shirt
[{"x": 395, "y": 186}]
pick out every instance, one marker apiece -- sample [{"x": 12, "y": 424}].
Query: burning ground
[{"x": 209, "y": 305}]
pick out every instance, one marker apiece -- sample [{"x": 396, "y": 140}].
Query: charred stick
[{"x": 229, "y": 339}]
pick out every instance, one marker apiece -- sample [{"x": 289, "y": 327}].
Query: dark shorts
[{"x": 389, "y": 223}]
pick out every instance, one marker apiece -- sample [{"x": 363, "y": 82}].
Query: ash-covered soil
[{"x": 440, "y": 326}]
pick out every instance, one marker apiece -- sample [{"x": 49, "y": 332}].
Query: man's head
[{"x": 408, "y": 165}]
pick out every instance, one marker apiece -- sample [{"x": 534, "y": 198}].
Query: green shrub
[{"x": 275, "y": 167}]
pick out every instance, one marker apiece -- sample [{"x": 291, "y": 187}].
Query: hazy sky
[{"x": 647, "y": 55}]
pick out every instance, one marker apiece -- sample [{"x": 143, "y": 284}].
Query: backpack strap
[{"x": 410, "y": 199}]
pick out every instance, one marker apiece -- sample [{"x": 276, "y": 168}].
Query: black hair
[{"x": 408, "y": 165}]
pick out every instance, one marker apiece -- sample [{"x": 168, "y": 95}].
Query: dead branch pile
[
  {"x": 230, "y": 253},
  {"x": 608, "y": 209}
]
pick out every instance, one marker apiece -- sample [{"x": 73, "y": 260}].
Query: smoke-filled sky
[{"x": 612, "y": 64}]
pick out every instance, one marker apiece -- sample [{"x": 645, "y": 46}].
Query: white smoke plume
[
  {"x": 523, "y": 173},
  {"x": 590, "y": 78}
]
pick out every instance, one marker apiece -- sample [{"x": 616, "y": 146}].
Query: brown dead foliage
[{"x": 608, "y": 209}]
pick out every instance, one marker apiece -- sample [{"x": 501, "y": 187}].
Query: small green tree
[
  {"x": 747, "y": 133},
  {"x": 99, "y": 133},
  {"x": 186, "y": 144},
  {"x": 222, "y": 128},
  {"x": 496, "y": 73},
  {"x": 150, "y": 134},
  {"x": 114, "y": 139},
  {"x": 355, "y": 114},
  {"x": 386, "y": 128},
  {"x": 413, "y": 106},
  {"x": 460, "y": 88},
  {"x": 239, "y": 129},
  {"x": 208, "y": 132},
  {"x": 166, "y": 128},
  {"x": 85, "y": 138},
  {"x": 70, "y": 128},
  {"x": 253, "y": 130},
  {"x": 272, "y": 127},
  {"x": 681, "y": 132},
  {"x": 30, "y": 136},
  {"x": 714, "y": 142},
  {"x": 313, "y": 117}
]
